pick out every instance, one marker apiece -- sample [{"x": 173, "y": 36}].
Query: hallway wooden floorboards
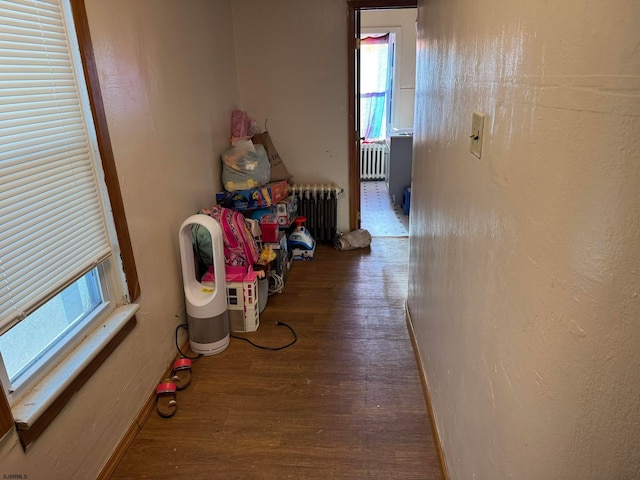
[{"x": 344, "y": 402}]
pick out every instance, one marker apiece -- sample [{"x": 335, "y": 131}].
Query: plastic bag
[
  {"x": 242, "y": 126},
  {"x": 355, "y": 239},
  {"x": 278, "y": 168},
  {"x": 245, "y": 167}
]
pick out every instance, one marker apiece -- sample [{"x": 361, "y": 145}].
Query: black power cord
[
  {"x": 273, "y": 349},
  {"x": 295, "y": 339},
  {"x": 186, "y": 327}
]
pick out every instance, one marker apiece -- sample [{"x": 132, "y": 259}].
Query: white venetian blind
[{"x": 51, "y": 219}]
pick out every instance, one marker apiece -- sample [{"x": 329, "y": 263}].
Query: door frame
[{"x": 354, "y": 8}]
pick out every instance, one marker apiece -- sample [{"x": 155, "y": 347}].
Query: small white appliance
[{"x": 207, "y": 316}]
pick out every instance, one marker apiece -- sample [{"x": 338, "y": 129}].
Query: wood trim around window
[
  {"x": 104, "y": 144},
  {"x": 30, "y": 435},
  {"x": 108, "y": 164},
  {"x": 6, "y": 419}
]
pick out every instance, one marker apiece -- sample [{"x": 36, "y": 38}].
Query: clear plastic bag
[{"x": 245, "y": 167}]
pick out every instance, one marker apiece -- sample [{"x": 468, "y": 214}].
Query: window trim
[
  {"x": 36, "y": 410},
  {"x": 124, "y": 240},
  {"x": 104, "y": 145},
  {"x": 64, "y": 343}
]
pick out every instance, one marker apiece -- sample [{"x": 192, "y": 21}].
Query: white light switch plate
[{"x": 477, "y": 130}]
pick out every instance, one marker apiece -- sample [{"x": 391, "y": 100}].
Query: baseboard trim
[
  {"x": 427, "y": 395},
  {"x": 126, "y": 441}
]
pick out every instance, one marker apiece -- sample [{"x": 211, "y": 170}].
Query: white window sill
[{"x": 32, "y": 404}]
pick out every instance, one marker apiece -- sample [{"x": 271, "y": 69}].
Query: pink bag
[
  {"x": 240, "y": 248},
  {"x": 241, "y": 126}
]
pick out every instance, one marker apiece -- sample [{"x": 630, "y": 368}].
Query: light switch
[{"x": 476, "y": 137}]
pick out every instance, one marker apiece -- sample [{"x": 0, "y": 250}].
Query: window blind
[{"x": 52, "y": 227}]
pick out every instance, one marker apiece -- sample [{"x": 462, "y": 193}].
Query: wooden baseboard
[
  {"x": 127, "y": 439},
  {"x": 138, "y": 422},
  {"x": 427, "y": 396}
]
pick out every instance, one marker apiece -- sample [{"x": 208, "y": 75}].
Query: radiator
[
  {"x": 373, "y": 161},
  {"x": 319, "y": 203}
]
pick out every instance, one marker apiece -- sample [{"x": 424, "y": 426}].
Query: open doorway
[
  {"x": 381, "y": 113},
  {"x": 387, "y": 86}
]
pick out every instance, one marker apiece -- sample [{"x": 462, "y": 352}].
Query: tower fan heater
[{"x": 207, "y": 316}]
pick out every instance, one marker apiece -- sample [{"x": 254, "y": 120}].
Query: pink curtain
[{"x": 374, "y": 79}]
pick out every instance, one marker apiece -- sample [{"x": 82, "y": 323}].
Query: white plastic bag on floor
[{"x": 356, "y": 239}]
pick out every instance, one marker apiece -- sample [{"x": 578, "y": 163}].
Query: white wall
[
  {"x": 524, "y": 264},
  {"x": 168, "y": 77},
  {"x": 403, "y": 21},
  {"x": 292, "y": 70}
]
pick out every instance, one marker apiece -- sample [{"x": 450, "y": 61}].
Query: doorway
[{"x": 372, "y": 204}]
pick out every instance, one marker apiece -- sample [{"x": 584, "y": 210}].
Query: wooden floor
[{"x": 344, "y": 402}]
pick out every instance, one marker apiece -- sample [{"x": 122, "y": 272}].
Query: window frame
[
  {"x": 395, "y": 52},
  {"x": 68, "y": 339},
  {"x": 30, "y": 434}
]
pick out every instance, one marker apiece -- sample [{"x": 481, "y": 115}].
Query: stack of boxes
[
  {"x": 273, "y": 209},
  {"x": 274, "y": 222},
  {"x": 255, "y": 198},
  {"x": 274, "y": 219}
]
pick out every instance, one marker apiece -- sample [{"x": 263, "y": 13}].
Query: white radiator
[{"x": 373, "y": 161}]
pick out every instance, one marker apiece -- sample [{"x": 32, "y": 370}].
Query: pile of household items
[{"x": 262, "y": 232}]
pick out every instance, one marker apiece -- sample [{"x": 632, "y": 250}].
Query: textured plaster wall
[
  {"x": 526, "y": 263},
  {"x": 292, "y": 70},
  {"x": 168, "y": 78}
]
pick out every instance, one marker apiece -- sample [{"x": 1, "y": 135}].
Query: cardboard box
[
  {"x": 273, "y": 218},
  {"x": 287, "y": 206},
  {"x": 278, "y": 169},
  {"x": 260, "y": 197}
]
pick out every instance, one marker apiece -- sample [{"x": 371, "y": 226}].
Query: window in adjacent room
[{"x": 376, "y": 84}]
